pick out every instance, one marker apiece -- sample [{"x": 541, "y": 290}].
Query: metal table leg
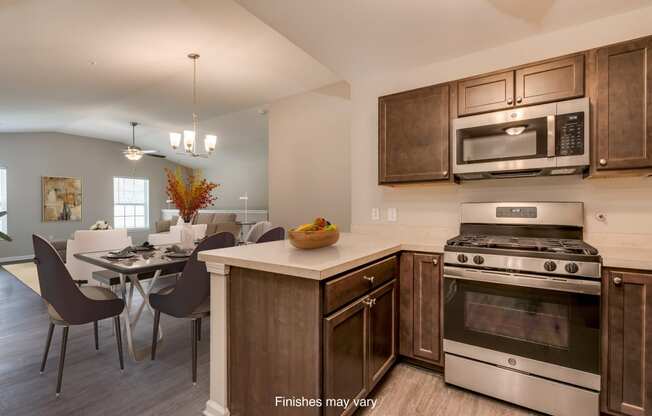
[{"x": 135, "y": 354}]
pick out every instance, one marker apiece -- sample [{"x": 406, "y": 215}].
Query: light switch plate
[
  {"x": 392, "y": 214},
  {"x": 375, "y": 214}
]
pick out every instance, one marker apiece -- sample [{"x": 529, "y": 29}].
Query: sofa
[{"x": 215, "y": 223}]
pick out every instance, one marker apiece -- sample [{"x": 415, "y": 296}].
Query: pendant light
[{"x": 189, "y": 137}]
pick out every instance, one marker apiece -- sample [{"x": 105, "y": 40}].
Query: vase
[{"x": 187, "y": 236}]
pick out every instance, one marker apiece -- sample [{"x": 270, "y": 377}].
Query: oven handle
[{"x": 588, "y": 287}]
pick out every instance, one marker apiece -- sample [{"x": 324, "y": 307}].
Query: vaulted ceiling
[
  {"x": 89, "y": 67},
  {"x": 357, "y": 38}
]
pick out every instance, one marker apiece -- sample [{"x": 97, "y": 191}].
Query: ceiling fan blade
[
  {"x": 148, "y": 151},
  {"x": 155, "y": 155}
]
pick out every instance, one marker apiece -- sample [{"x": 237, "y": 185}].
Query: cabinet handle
[
  {"x": 435, "y": 262},
  {"x": 603, "y": 162},
  {"x": 618, "y": 281},
  {"x": 519, "y": 99},
  {"x": 370, "y": 302},
  {"x": 369, "y": 278},
  {"x": 510, "y": 101}
]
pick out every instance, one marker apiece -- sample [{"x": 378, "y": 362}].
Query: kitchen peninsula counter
[{"x": 278, "y": 323}]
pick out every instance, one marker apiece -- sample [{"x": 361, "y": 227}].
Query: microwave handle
[{"x": 551, "y": 136}]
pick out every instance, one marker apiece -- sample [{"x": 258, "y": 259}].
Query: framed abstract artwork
[{"x": 62, "y": 199}]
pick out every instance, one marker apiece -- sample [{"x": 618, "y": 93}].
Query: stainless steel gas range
[{"x": 522, "y": 306}]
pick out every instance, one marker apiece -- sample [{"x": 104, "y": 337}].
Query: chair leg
[
  {"x": 194, "y": 351},
  {"x": 118, "y": 337},
  {"x": 47, "y": 347},
  {"x": 157, "y": 319},
  {"x": 199, "y": 329},
  {"x": 97, "y": 337},
  {"x": 62, "y": 358}
]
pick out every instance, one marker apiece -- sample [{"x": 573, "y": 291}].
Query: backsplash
[{"x": 431, "y": 214}]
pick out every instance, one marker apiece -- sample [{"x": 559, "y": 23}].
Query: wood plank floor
[
  {"x": 92, "y": 381},
  {"x": 94, "y": 385},
  {"x": 410, "y": 390}
]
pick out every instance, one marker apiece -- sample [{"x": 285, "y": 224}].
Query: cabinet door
[
  {"x": 550, "y": 81},
  {"x": 413, "y": 135},
  {"x": 345, "y": 356},
  {"x": 488, "y": 93},
  {"x": 427, "y": 341},
  {"x": 624, "y": 107},
  {"x": 629, "y": 350},
  {"x": 382, "y": 331}
]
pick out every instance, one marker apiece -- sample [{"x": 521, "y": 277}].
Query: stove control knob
[
  {"x": 572, "y": 268},
  {"x": 478, "y": 259},
  {"x": 462, "y": 258},
  {"x": 550, "y": 266}
]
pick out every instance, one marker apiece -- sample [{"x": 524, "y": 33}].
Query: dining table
[{"x": 140, "y": 266}]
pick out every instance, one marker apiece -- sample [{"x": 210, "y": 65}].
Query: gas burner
[{"x": 561, "y": 246}]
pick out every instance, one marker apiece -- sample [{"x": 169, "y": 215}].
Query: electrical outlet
[
  {"x": 392, "y": 214},
  {"x": 375, "y": 214}
]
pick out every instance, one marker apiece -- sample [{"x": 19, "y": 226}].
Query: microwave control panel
[{"x": 570, "y": 134}]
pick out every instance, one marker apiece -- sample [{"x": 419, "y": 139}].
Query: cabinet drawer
[{"x": 340, "y": 291}]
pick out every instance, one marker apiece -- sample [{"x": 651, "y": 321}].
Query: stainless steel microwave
[{"x": 547, "y": 139}]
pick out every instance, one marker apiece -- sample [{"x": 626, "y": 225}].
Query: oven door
[
  {"x": 546, "y": 325},
  {"x": 519, "y": 141}
]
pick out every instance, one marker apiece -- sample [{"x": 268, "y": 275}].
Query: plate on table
[
  {"x": 144, "y": 248},
  {"x": 178, "y": 255},
  {"x": 120, "y": 256}
]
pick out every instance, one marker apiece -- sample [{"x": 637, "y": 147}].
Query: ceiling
[
  {"x": 357, "y": 38},
  {"x": 90, "y": 67}
]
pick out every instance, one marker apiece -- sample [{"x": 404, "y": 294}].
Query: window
[
  {"x": 130, "y": 203},
  {"x": 3, "y": 199}
]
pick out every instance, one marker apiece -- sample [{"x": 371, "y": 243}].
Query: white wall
[
  {"x": 28, "y": 156},
  {"x": 432, "y": 213},
  {"x": 309, "y": 161},
  {"x": 239, "y": 163}
]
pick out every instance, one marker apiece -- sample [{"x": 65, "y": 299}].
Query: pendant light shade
[
  {"x": 175, "y": 140},
  {"x": 189, "y": 140},
  {"x": 210, "y": 141}
]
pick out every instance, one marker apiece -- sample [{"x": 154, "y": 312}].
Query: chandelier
[{"x": 189, "y": 136}]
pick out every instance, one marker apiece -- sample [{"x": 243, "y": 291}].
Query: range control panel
[{"x": 570, "y": 134}]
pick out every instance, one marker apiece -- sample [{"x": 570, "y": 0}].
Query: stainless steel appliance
[
  {"x": 548, "y": 139},
  {"x": 522, "y": 306}
]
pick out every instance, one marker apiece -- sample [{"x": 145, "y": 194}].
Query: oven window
[
  {"x": 544, "y": 323},
  {"x": 493, "y": 143}
]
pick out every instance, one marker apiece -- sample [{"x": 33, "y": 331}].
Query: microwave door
[{"x": 522, "y": 145}]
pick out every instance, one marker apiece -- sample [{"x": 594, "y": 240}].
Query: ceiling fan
[{"x": 134, "y": 152}]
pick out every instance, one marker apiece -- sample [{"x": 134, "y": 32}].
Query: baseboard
[
  {"x": 213, "y": 408},
  {"x": 16, "y": 259}
]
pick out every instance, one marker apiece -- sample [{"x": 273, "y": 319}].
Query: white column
[{"x": 217, "y": 402}]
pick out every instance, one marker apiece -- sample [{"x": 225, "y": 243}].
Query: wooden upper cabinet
[
  {"x": 560, "y": 79},
  {"x": 486, "y": 93},
  {"x": 627, "y": 358},
  {"x": 624, "y": 105},
  {"x": 413, "y": 135}
]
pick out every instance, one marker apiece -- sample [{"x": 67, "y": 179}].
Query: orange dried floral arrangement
[{"x": 189, "y": 193}]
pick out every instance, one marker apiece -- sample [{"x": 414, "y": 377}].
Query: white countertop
[{"x": 352, "y": 250}]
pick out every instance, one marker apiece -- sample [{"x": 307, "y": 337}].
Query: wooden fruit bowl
[{"x": 309, "y": 240}]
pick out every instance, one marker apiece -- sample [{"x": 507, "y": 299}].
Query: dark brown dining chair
[
  {"x": 275, "y": 234},
  {"x": 189, "y": 297},
  {"x": 69, "y": 304}
]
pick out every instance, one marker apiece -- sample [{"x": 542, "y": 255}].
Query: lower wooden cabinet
[
  {"x": 421, "y": 328},
  {"x": 627, "y": 343},
  {"x": 359, "y": 347}
]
